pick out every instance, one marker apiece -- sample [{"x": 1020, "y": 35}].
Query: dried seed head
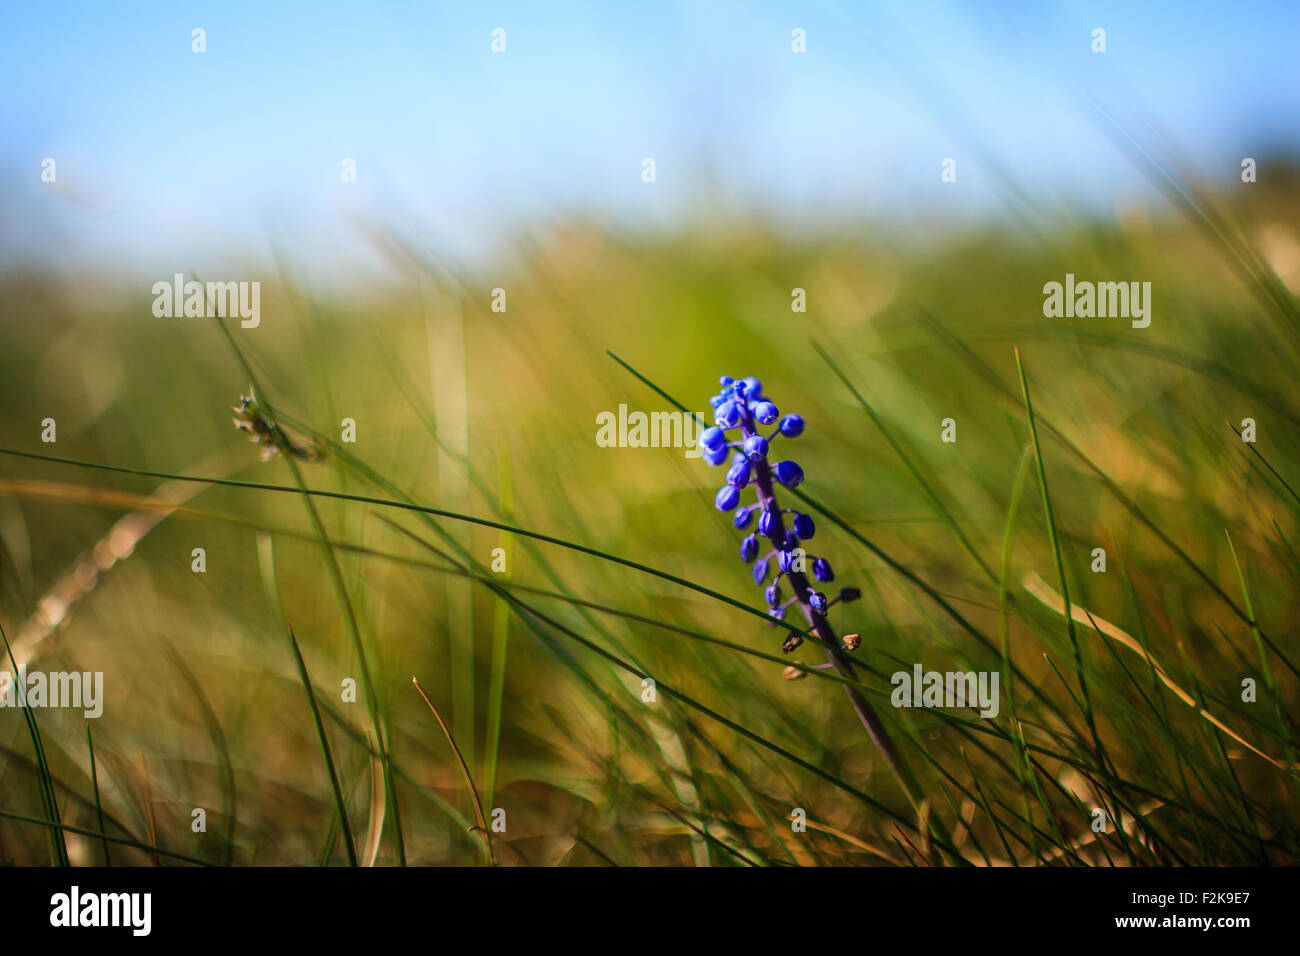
[
  {"x": 250, "y": 417},
  {"x": 852, "y": 641},
  {"x": 791, "y": 642}
]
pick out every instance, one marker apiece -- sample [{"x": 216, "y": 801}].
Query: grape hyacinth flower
[{"x": 741, "y": 407}]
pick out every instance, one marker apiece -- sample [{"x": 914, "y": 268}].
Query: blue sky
[{"x": 171, "y": 158}]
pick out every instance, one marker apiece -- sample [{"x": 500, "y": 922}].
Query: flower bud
[
  {"x": 789, "y": 474},
  {"x": 791, "y": 426},
  {"x": 717, "y": 456},
  {"x": 727, "y": 415},
  {"x": 727, "y": 498},
  {"x": 755, "y": 447}
]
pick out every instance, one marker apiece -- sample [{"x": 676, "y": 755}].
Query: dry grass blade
[
  {"x": 76, "y": 583},
  {"x": 482, "y": 826},
  {"x": 853, "y": 841},
  {"x": 150, "y": 821},
  {"x": 1044, "y": 593},
  {"x": 1126, "y": 823},
  {"x": 378, "y": 802}
]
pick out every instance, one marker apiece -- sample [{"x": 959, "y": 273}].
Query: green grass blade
[
  {"x": 340, "y": 805},
  {"x": 49, "y": 799},
  {"x": 94, "y": 784}
]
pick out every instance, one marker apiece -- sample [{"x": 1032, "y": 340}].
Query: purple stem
[{"x": 834, "y": 655}]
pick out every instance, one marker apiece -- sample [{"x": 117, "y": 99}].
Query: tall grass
[{"x": 1122, "y": 689}]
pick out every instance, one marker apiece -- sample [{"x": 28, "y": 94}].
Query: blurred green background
[{"x": 493, "y": 415}]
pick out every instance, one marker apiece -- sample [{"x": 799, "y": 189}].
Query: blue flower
[
  {"x": 789, "y": 474},
  {"x": 755, "y": 447},
  {"x": 741, "y": 406},
  {"x": 715, "y": 457},
  {"x": 738, "y": 474}
]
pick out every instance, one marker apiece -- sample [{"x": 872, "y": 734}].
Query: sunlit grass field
[{"x": 1134, "y": 706}]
